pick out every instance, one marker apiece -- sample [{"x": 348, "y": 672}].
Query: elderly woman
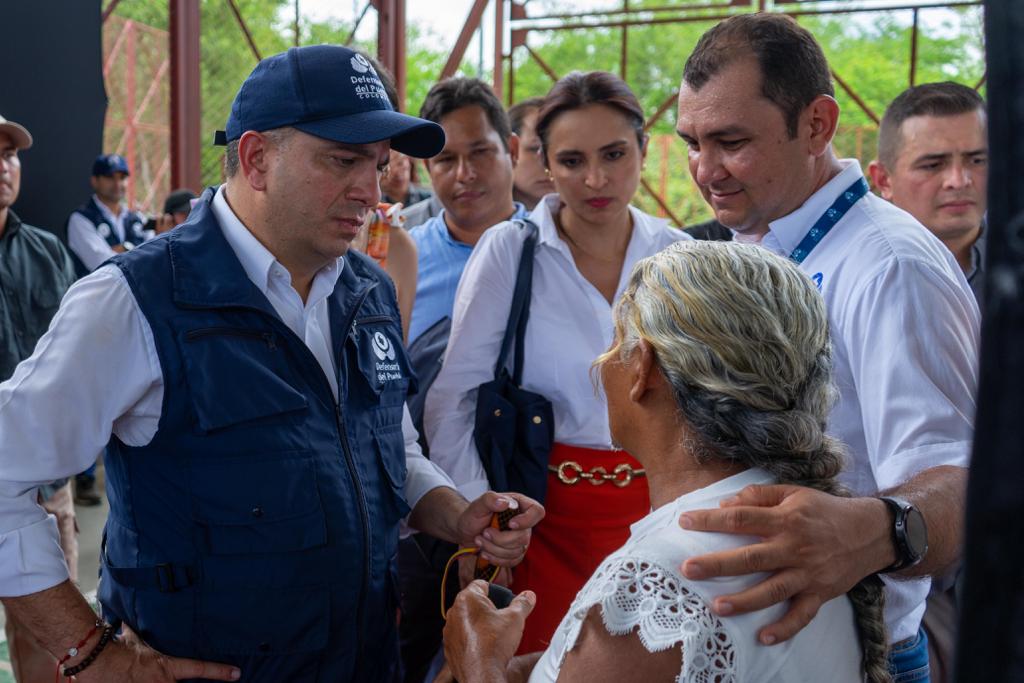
[{"x": 718, "y": 378}]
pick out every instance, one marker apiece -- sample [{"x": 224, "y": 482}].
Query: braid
[{"x": 742, "y": 337}]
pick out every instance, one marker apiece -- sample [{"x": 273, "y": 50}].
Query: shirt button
[{"x": 257, "y": 511}]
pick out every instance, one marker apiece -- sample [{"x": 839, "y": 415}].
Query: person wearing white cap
[{"x": 35, "y": 271}]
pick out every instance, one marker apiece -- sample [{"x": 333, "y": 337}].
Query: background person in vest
[
  {"x": 530, "y": 179},
  {"x": 35, "y": 272},
  {"x": 590, "y": 236},
  {"x": 472, "y": 178},
  {"x": 104, "y": 226},
  {"x": 757, "y": 112},
  {"x": 933, "y": 163},
  {"x": 260, "y": 457}
]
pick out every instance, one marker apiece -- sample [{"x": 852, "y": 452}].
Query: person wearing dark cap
[
  {"x": 260, "y": 458},
  {"x": 103, "y": 226},
  {"x": 35, "y": 272},
  {"x": 176, "y": 209}
]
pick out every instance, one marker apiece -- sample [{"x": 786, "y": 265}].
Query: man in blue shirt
[{"x": 472, "y": 178}]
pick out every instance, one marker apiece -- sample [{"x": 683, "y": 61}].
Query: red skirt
[{"x": 584, "y": 524}]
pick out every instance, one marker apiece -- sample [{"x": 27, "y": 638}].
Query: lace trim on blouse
[{"x": 634, "y": 593}]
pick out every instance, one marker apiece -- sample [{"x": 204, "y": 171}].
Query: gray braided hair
[{"x": 742, "y": 337}]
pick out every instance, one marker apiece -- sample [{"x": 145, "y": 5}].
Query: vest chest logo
[
  {"x": 104, "y": 230},
  {"x": 384, "y": 349}
]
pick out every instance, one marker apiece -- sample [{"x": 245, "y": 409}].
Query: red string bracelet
[{"x": 74, "y": 651}]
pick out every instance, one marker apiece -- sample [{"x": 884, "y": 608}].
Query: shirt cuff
[
  {"x": 31, "y": 559},
  {"x": 905, "y": 465}
]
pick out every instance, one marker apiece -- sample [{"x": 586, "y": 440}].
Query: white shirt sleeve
[
  {"x": 482, "y": 303},
  {"x": 912, "y": 336},
  {"x": 86, "y": 243},
  {"x": 95, "y": 367},
  {"x": 422, "y": 475}
]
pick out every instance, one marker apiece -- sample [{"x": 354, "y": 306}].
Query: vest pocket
[
  {"x": 390, "y": 445},
  {"x": 264, "y": 503},
  {"x": 237, "y": 375}
]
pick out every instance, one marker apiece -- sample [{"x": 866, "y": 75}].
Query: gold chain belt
[{"x": 571, "y": 472}]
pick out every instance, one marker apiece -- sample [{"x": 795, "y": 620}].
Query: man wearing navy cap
[
  {"x": 103, "y": 226},
  {"x": 260, "y": 458}
]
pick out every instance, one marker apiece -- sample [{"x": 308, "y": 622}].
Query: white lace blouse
[{"x": 639, "y": 588}]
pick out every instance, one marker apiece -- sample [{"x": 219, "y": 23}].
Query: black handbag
[{"x": 515, "y": 428}]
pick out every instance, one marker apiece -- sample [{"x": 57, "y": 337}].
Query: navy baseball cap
[
  {"x": 331, "y": 92},
  {"x": 109, "y": 164}
]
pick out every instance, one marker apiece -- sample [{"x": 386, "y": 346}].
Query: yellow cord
[{"x": 448, "y": 565}]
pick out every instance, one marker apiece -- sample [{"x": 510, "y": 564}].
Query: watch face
[{"x": 917, "y": 533}]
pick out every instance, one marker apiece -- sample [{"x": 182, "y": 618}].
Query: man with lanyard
[
  {"x": 35, "y": 272},
  {"x": 933, "y": 163},
  {"x": 260, "y": 457},
  {"x": 757, "y": 112},
  {"x": 103, "y": 226}
]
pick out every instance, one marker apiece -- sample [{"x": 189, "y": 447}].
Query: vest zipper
[
  {"x": 267, "y": 337},
  {"x": 346, "y": 449}
]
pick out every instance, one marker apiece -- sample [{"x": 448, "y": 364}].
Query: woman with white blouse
[
  {"x": 593, "y": 144},
  {"x": 719, "y": 378}
]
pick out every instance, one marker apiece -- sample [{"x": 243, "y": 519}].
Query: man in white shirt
[
  {"x": 757, "y": 113},
  {"x": 104, "y": 226},
  {"x": 933, "y": 163},
  {"x": 260, "y": 456}
]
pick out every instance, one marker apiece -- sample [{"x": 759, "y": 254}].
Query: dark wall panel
[
  {"x": 52, "y": 84},
  {"x": 991, "y": 636}
]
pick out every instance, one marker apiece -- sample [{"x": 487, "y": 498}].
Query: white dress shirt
[
  {"x": 87, "y": 244},
  {"x": 62, "y": 404},
  {"x": 570, "y": 325},
  {"x": 638, "y": 589},
  {"x": 904, "y": 327}
]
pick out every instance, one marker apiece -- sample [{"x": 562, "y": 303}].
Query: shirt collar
[
  {"x": 257, "y": 261},
  {"x": 788, "y": 231},
  {"x": 519, "y": 211},
  {"x": 107, "y": 213},
  {"x": 977, "y": 252},
  {"x": 11, "y": 225},
  {"x": 544, "y": 216}
]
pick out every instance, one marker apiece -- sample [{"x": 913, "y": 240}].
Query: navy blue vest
[
  {"x": 260, "y": 525},
  {"x": 134, "y": 224}
]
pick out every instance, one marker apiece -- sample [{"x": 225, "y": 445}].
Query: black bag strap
[{"x": 515, "y": 329}]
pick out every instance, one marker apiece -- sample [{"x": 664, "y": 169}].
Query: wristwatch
[{"x": 909, "y": 533}]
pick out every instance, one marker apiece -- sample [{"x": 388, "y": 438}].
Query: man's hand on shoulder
[{"x": 816, "y": 547}]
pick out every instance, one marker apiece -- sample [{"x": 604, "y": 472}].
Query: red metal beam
[
  {"x": 499, "y": 47},
  {"x": 856, "y": 98},
  {"x": 543, "y": 65},
  {"x": 661, "y": 202},
  {"x": 245, "y": 29},
  {"x": 913, "y": 50},
  {"x": 624, "y": 47},
  {"x": 185, "y": 94},
  {"x": 457, "y": 53},
  {"x": 359, "y": 20},
  {"x": 109, "y": 10},
  {"x": 664, "y": 107},
  {"x": 533, "y": 26},
  {"x": 391, "y": 41}
]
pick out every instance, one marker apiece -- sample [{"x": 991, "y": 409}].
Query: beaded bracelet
[
  {"x": 73, "y": 651},
  {"x": 105, "y": 638}
]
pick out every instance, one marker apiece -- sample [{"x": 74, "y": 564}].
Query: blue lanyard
[{"x": 829, "y": 219}]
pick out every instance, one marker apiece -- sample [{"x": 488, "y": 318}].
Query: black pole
[{"x": 990, "y": 644}]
